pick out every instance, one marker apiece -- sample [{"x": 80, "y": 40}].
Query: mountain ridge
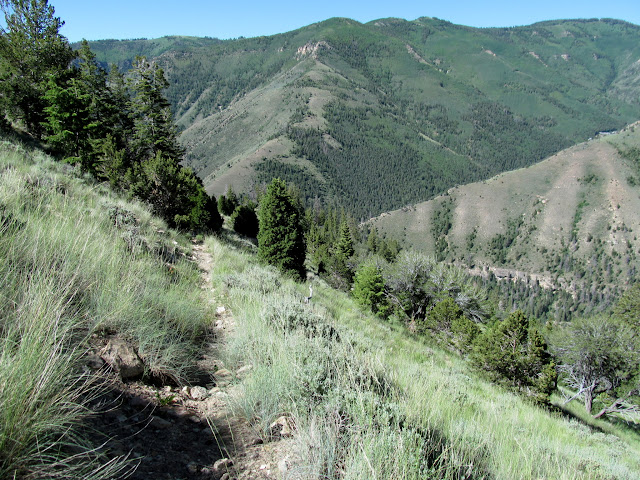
[
  {"x": 566, "y": 223},
  {"x": 427, "y": 104}
]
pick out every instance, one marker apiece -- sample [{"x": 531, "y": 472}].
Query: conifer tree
[
  {"x": 368, "y": 288},
  {"x": 514, "y": 351},
  {"x": 32, "y": 52},
  {"x": 342, "y": 254},
  {"x": 281, "y": 237},
  {"x": 245, "y": 220},
  {"x": 154, "y": 130}
]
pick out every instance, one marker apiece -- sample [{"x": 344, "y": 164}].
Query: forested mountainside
[
  {"x": 565, "y": 227},
  {"x": 379, "y": 115}
]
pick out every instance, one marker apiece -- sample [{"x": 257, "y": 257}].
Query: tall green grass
[
  {"x": 370, "y": 401},
  {"x": 67, "y": 272}
]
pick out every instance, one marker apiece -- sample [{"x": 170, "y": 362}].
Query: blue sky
[{"x": 122, "y": 19}]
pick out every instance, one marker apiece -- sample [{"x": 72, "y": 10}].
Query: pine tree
[
  {"x": 154, "y": 130},
  {"x": 513, "y": 350},
  {"x": 342, "y": 254},
  {"x": 281, "y": 237},
  {"x": 69, "y": 124},
  {"x": 368, "y": 289},
  {"x": 32, "y": 52},
  {"x": 244, "y": 220}
]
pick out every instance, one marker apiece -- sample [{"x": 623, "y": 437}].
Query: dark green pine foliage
[
  {"x": 281, "y": 238},
  {"x": 448, "y": 324},
  {"x": 228, "y": 202},
  {"x": 32, "y": 52},
  {"x": 368, "y": 289},
  {"x": 176, "y": 194},
  {"x": 514, "y": 352},
  {"x": 77, "y": 111},
  {"x": 155, "y": 174},
  {"x": 68, "y": 124},
  {"x": 154, "y": 130},
  {"x": 342, "y": 256},
  {"x": 245, "y": 220}
]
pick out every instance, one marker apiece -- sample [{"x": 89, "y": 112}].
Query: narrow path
[{"x": 170, "y": 432}]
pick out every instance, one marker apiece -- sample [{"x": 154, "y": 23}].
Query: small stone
[
  {"x": 198, "y": 393},
  {"x": 226, "y": 476},
  {"x": 281, "y": 427},
  {"x": 222, "y": 465},
  {"x": 206, "y": 471},
  {"x": 192, "y": 467},
  {"x": 122, "y": 358},
  {"x": 220, "y": 310},
  {"x": 244, "y": 370},
  {"x": 223, "y": 376}
]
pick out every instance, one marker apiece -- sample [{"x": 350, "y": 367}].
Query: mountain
[
  {"x": 567, "y": 223},
  {"x": 380, "y": 115}
]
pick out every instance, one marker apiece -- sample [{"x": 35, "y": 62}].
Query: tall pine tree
[{"x": 281, "y": 237}]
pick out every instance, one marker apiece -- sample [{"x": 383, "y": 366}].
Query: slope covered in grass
[
  {"x": 77, "y": 261},
  {"x": 370, "y": 401}
]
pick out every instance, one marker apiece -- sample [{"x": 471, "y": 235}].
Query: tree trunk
[{"x": 588, "y": 400}]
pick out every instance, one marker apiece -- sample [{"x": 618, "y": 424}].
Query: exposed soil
[{"x": 173, "y": 432}]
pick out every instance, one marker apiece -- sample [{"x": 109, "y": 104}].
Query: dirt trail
[{"x": 171, "y": 432}]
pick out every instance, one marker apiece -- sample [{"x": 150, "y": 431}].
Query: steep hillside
[
  {"x": 568, "y": 222},
  {"x": 375, "y": 116},
  {"x": 103, "y": 311}
]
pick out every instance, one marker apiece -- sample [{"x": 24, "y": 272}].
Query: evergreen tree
[
  {"x": 228, "y": 203},
  {"x": 154, "y": 130},
  {"x": 244, "y": 220},
  {"x": 69, "y": 122},
  {"x": 597, "y": 355},
  {"x": 281, "y": 237},
  {"x": 341, "y": 257},
  {"x": 514, "y": 351},
  {"x": 32, "y": 52},
  {"x": 176, "y": 194},
  {"x": 368, "y": 289}
]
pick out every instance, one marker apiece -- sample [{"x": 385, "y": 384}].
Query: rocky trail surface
[{"x": 189, "y": 432}]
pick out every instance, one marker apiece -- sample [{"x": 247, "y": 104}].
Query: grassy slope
[
  {"x": 77, "y": 260},
  {"x": 368, "y": 402},
  {"x": 373, "y": 402},
  {"x": 581, "y": 192},
  {"x": 440, "y": 103}
]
